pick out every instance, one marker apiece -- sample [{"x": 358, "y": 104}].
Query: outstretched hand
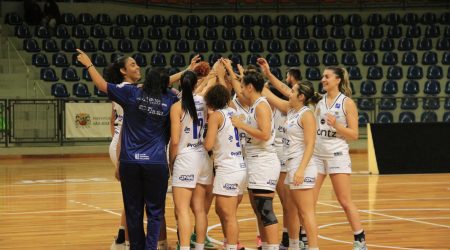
[
  {"x": 262, "y": 62},
  {"x": 83, "y": 58},
  {"x": 194, "y": 61}
]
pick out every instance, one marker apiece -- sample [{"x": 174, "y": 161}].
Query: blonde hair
[{"x": 344, "y": 84}]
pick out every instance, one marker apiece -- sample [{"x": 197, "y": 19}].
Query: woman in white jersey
[
  {"x": 260, "y": 156},
  {"x": 123, "y": 70},
  {"x": 223, "y": 138},
  {"x": 192, "y": 171},
  {"x": 337, "y": 122}
]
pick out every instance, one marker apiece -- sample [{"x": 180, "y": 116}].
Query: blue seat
[
  {"x": 229, "y": 21},
  {"x": 229, "y": 34},
  {"x": 446, "y": 58},
  {"x": 389, "y": 87},
  {"x": 264, "y": 21},
  {"x": 374, "y": 19},
  {"x": 125, "y": 45},
  {"x": 432, "y": 31},
  {"x": 59, "y": 90},
  {"x": 219, "y": 46},
  {"x": 310, "y": 45},
  {"x": 447, "y": 31},
  {"x": 177, "y": 60},
  {"x": 414, "y": 72},
  {"x": 354, "y": 73},
  {"x": 367, "y": 45},
  {"x": 163, "y": 46},
  {"x": 395, "y": 32},
  {"x": 366, "y": 104},
  {"x": 158, "y": 21},
  {"x": 247, "y": 33},
  {"x": 392, "y": 19},
  {"x": 60, "y": 60},
  {"x": 320, "y": 32},
  {"x": 192, "y": 34},
  {"x": 175, "y": 21},
  {"x": 211, "y": 21},
  {"x": 409, "y": 58},
  {"x": 247, "y": 21},
  {"x": 284, "y": 33},
  {"x": 446, "y": 117},
  {"x": 410, "y": 19},
  {"x": 68, "y": 45},
  {"x": 235, "y": 59},
  {"x": 136, "y": 32},
  {"x": 428, "y": 116},
  {"x": 116, "y": 32},
  {"x": 75, "y": 61},
  {"x": 363, "y": 119},
  {"x": 388, "y": 103},
  {"x": 374, "y": 73},
  {"x": 141, "y": 59},
  {"x": 106, "y": 45},
  {"x": 387, "y": 44},
  {"x": 87, "y": 45},
  {"x": 39, "y": 60},
  {"x": 349, "y": 59},
  {"x": 115, "y": 56},
  {"x": 210, "y": 34},
  {"x": 292, "y": 60},
  {"x": 99, "y": 60},
  {"x": 443, "y": 43},
  {"x": 158, "y": 60},
  {"x": 213, "y": 58},
  {"x": 330, "y": 59},
  {"x": 407, "y": 117},
  {"x": 413, "y": 31},
  {"x": 140, "y": 20},
  {"x": 145, "y": 45},
  {"x": 48, "y": 75},
  {"x": 13, "y": 19},
  {"x": 313, "y": 74},
  {"x": 238, "y": 46},
  {"x": 355, "y": 20},
  {"x": 435, "y": 72},
  {"x": 277, "y": 73},
  {"x": 42, "y": 32},
  {"x": 409, "y": 103},
  {"x": 79, "y": 31},
  {"x": 30, "y": 45},
  {"x": 368, "y": 88},
  {"x": 429, "y": 58},
  {"x": 311, "y": 60},
  {"x": 356, "y": 32},
  {"x": 447, "y": 103},
  {"x": 394, "y": 73},
  {"x": 155, "y": 33},
  {"x": 300, "y": 20},
  {"x": 70, "y": 74},
  {"x": 252, "y": 59},
  {"x": 376, "y": 32},
  {"x": 255, "y": 46},
  {"x": 86, "y": 19},
  {"x": 405, "y": 44},
  {"x": 447, "y": 88},
  {"x": 273, "y": 60},
  {"x": 337, "y": 20},
  {"x": 97, "y": 31},
  {"x": 99, "y": 93},
  {"x": 445, "y": 18},
  {"x": 49, "y": 45},
  {"x": 103, "y": 19},
  {"x": 389, "y": 58},
  {"x": 292, "y": 46},
  {"x": 432, "y": 87},
  {"x": 282, "y": 21},
  {"x": 410, "y": 87},
  {"x": 319, "y": 20},
  {"x": 274, "y": 46},
  {"x": 428, "y": 18},
  {"x": 80, "y": 89},
  {"x": 265, "y": 33},
  {"x": 337, "y": 32},
  {"x": 424, "y": 43},
  {"x": 201, "y": 46},
  {"x": 329, "y": 45},
  {"x": 301, "y": 32},
  {"x": 61, "y": 32},
  {"x": 385, "y": 117},
  {"x": 68, "y": 19},
  {"x": 431, "y": 103}
]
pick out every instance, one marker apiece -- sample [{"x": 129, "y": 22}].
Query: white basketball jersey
[
  {"x": 254, "y": 146},
  {"x": 293, "y": 142},
  {"x": 241, "y": 111},
  {"x": 328, "y": 142},
  {"x": 227, "y": 149},
  {"x": 279, "y": 119},
  {"x": 191, "y": 138}
]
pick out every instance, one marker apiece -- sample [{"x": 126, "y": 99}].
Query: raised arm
[
  {"x": 96, "y": 77},
  {"x": 275, "y": 101},
  {"x": 283, "y": 88},
  {"x": 194, "y": 61},
  {"x": 235, "y": 80}
]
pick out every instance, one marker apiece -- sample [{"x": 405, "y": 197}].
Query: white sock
[
  {"x": 199, "y": 246},
  {"x": 273, "y": 247},
  {"x": 185, "y": 248},
  {"x": 264, "y": 246},
  {"x": 122, "y": 227},
  {"x": 294, "y": 244},
  {"x": 358, "y": 232},
  {"x": 284, "y": 230},
  {"x": 231, "y": 247}
]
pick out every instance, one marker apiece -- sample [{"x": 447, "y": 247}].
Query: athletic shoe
[
  {"x": 121, "y": 246},
  {"x": 193, "y": 239},
  {"x": 240, "y": 246},
  {"x": 302, "y": 245},
  {"x": 258, "y": 242},
  {"x": 358, "y": 245},
  {"x": 284, "y": 241},
  {"x": 209, "y": 244}
]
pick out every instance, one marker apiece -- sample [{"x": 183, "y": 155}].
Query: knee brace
[{"x": 264, "y": 208}]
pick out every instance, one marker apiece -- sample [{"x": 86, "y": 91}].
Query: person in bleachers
[
  {"x": 52, "y": 15},
  {"x": 32, "y": 12}
]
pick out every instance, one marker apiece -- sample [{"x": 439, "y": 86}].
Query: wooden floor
[{"x": 75, "y": 203}]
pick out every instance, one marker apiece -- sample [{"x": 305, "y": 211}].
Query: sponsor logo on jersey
[
  {"x": 82, "y": 120},
  {"x": 309, "y": 180},
  {"x": 230, "y": 138},
  {"x": 272, "y": 182},
  {"x": 338, "y": 105},
  {"x": 322, "y": 121},
  {"x": 326, "y": 133},
  {"x": 141, "y": 157},
  {"x": 230, "y": 186},
  {"x": 187, "y": 130},
  {"x": 186, "y": 177},
  {"x": 337, "y": 153},
  {"x": 237, "y": 153},
  {"x": 194, "y": 145}
]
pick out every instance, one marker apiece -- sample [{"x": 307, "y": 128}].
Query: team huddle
[{"x": 226, "y": 132}]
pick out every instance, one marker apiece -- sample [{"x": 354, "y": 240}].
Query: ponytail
[
  {"x": 307, "y": 89},
  {"x": 188, "y": 82}
]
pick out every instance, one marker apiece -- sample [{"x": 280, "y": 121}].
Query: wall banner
[{"x": 87, "y": 120}]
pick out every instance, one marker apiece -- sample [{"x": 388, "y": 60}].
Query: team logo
[
  {"x": 230, "y": 186},
  {"x": 309, "y": 180},
  {"x": 82, "y": 120},
  {"x": 186, "y": 177},
  {"x": 187, "y": 130},
  {"x": 272, "y": 182},
  {"x": 230, "y": 138},
  {"x": 338, "y": 105},
  {"x": 322, "y": 121}
]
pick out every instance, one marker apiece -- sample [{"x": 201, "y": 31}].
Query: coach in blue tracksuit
[{"x": 143, "y": 163}]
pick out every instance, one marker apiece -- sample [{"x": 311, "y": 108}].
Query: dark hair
[
  {"x": 344, "y": 84},
  {"x": 188, "y": 82},
  {"x": 295, "y": 73},
  {"x": 251, "y": 68},
  {"x": 254, "y": 78},
  {"x": 277, "y": 93},
  {"x": 156, "y": 81},
  {"x": 112, "y": 73},
  {"x": 217, "y": 97},
  {"x": 307, "y": 89},
  {"x": 202, "y": 69}
]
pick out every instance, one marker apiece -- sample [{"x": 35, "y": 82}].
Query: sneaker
[
  {"x": 358, "y": 245},
  {"x": 258, "y": 242},
  {"x": 240, "y": 246},
  {"x": 193, "y": 239},
  {"x": 302, "y": 245},
  {"x": 121, "y": 246},
  {"x": 209, "y": 244},
  {"x": 284, "y": 241}
]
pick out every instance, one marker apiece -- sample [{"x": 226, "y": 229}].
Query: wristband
[{"x": 92, "y": 65}]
